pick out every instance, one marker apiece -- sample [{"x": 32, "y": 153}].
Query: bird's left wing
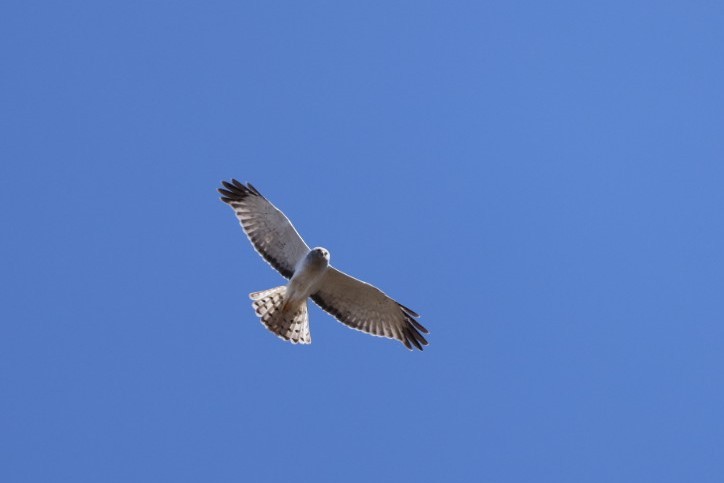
[
  {"x": 365, "y": 307},
  {"x": 271, "y": 233}
]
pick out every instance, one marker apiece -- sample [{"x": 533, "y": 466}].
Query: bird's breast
[{"x": 305, "y": 280}]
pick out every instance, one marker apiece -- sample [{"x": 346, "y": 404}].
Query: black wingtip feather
[
  {"x": 419, "y": 337},
  {"x": 253, "y": 190},
  {"x": 418, "y": 326},
  {"x": 236, "y": 191},
  {"x": 411, "y": 337},
  {"x": 408, "y": 310}
]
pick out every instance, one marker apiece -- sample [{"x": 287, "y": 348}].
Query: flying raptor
[{"x": 283, "y": 310}]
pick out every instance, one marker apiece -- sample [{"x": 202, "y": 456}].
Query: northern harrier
[{"x": 283, "y": 310}]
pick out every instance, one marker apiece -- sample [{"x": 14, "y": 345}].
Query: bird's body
[
  {"x": 308, "y": 275},
  {"x": 283, "y": 309}
]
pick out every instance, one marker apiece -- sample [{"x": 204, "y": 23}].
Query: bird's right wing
[{"x": 271, "y": 233}]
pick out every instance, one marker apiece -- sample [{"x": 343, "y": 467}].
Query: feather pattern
[
  {"x": 364, "y": 307},
  {"x": 283, "y": 310},
  {"x": 289, "y": 323},
  {"x": 271, "y": 233}
]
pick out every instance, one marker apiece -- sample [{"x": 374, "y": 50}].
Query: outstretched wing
[
  {"x": 365, "y": 307},
  {"x": 271, "y": 233}
]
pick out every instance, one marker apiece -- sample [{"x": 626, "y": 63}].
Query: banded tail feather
[{"x": 289, "y": 322}]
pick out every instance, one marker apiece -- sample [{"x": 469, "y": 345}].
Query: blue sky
[{"x": 543, "y": 182}]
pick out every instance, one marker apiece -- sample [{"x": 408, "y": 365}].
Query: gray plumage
[{"x": 283, "y": 310}]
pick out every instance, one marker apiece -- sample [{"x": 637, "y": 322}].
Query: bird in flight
[{"x": 283, "y": 310}]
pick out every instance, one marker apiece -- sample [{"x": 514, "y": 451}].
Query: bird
[{"x": 283, "y": 309}]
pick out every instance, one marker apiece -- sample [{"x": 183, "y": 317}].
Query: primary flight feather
[{"x": 283, "y": 310}]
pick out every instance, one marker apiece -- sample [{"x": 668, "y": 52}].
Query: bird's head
[{"x": 320, "y": 253}]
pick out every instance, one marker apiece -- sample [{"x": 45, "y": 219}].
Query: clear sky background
[{"x": 542, "y": 181}]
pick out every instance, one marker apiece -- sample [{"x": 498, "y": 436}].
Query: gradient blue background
[{"x": 544, "y": 182}]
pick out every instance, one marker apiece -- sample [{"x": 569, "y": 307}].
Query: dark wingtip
[
  {"x": 254, "y": 190},
  {"x": 419, "y": 326},
  {"x": 411, "y": 337},
  {"x": 234, "y": 191},
  {"x": 410, "y": 320},
  {"x": 408, "y": 310},
  {"x": 237, "y": 191},
  {"x": 418, "y": 337}
]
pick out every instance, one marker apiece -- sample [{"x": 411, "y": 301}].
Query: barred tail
[{"x": 289, "y": 323}]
